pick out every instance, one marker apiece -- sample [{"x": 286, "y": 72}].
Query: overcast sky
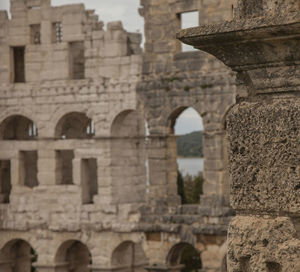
[
  {"x": 127, "y": 12},
  {"x": 188, "y": 121},
  {"x": 108, "y": 10}
]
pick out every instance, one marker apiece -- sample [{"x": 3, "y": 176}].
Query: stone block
[
  {"x": 263, "y": 156},
  {"x": 263, "y": 242},
  {"x": 162, "y": 47},
  {"x": 34, "y": 16},
  {"x": 109, "y": 71},
  {"x": 114, "y": 49},
  {"x": 116, "y": 25},
  {"x": 46, "y": 178},
  {"x": 72, "y": 18},
  {"x": 98, "y": 35}
]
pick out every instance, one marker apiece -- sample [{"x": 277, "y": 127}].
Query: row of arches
[
  {"x": 18, "y": 255},
  {"x": 134, "y": 154},
  {"x": 72, "y": 125},
  {"x": 128, "y": 151},
  {"x": 77, "y": 125}
]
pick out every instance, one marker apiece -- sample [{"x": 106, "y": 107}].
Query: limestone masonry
[
  {"x": 262, "y": 45},
  {"x": 83, "y": 188}
]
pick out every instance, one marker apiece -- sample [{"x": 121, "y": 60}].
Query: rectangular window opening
[
  {"x": 5, "y": 181},
  {"x": 187, "y": 20},
  {"x": 77, "y": 60},
  {"x": 64, "y": 167},
  {"x": 29, "y": 168},
  {"x": 57, "y": 32},
  {"x": 89, "y": 180},
  {"x": 35, "y": 34},
  {"x": 18, "y": 64}
]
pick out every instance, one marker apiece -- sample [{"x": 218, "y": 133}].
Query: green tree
[
  {"x": 191, "y": 259},
  {"x": 193, "y": 188},
  {"x": 198, "y": 189},
  {"x": 180, "y": 187}
]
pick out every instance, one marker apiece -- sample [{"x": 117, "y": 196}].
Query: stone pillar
[
  {"x": 216, "y": 180},
  {"x": 77, "y": 171},
  {"x": 46, "y": 166},
  {"x": 162, "y": 177},
  {"x": 15, "y": 170},
  {"x": 171, "y": 168},
  {"x": 46, "y": 24},
  {"x": 262, "y": 45}
]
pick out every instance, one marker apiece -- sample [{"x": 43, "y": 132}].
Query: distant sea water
[{"x": 191, "y": 166}]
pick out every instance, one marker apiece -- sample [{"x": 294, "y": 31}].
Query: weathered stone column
[
  {"x": 46, "y": 165},
  {"x": 162, "y": 187},
  {"x": 262, "y": 44}
]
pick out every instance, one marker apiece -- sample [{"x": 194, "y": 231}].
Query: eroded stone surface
[
  {"x": 74, "y": 98},
  {"x": 261, "y": 45},
  {"x": 258, "y": 243},
  {"x": 264, "y": 158}
]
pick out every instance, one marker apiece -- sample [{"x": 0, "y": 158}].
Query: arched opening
[
  {"x": 186, "y": 124},
  {"x": 18, "y": 256},
  {"x": 128, "y": 153},
  {"x": 128, "y": 123},
  {"x": 18, "y": 127},
  {"x": 129, "y": 257},
  {"x": 73, "y": 256},
  {"x": 75, "y": 125},
  {"x": 185, "y": 257}
]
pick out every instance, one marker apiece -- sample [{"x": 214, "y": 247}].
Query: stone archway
[
  {"x": 74, "y": 125},
  {"x": 73, "y": 256},
  {"x": 18, "y": 127},
  {"x": 184, "y": 257},
  {"x": 185, "y": 149},
  {"x": 129, "y": 257},
  {"x": 17, "y": 256}
]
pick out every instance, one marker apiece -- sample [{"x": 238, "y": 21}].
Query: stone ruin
[
  {"x": 83, "y": 188},
  {"x": 262, "y": 45}
]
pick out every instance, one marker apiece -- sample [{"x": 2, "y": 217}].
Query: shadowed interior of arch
[
  {"x": 73, "y": 256},
  {"x": 128, "y": 123},
  {"x": 129, "y": 256},
  {"x": 186, "y": 256},
  {"x": 18, "y": 254},
  {"x": 18, "y": 127},
  {"x": 74, "y": 125}
]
